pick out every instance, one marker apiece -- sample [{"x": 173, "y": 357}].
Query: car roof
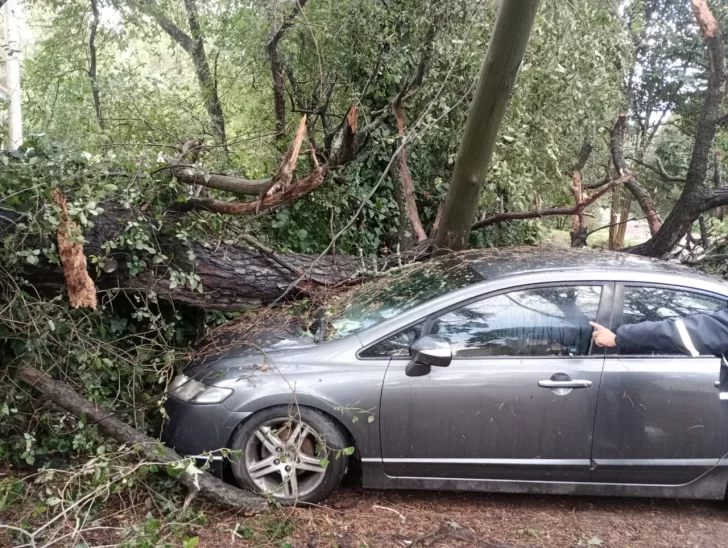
[{"x": 506, "y": 262}]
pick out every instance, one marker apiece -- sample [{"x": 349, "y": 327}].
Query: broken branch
[
  {"x": 206, "y": 485},
  {"x": 536, "y": 214}
]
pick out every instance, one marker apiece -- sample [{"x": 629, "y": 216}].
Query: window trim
[
  {"x": 359, "y": 352},
  {"x": 617, "y": 317},
  {"x": 606, "y": 299}
]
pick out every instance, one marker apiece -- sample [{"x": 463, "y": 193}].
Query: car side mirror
[{"x": 428, "y": 351}]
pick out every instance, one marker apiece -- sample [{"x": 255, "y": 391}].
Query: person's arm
[{"x": 692, "y": 335}]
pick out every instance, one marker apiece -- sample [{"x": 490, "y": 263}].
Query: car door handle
[{"x": 576, "y": 383}]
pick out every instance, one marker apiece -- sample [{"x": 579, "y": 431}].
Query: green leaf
[
  {"x": 190, "y": 542},
  {"x": 349, "y": 450},
  {"x": 370, "y": 419},
  {"x": 595, "y": 541},
  {"x": 324, "y": 463}
]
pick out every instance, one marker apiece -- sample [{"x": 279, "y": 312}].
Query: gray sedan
[{"x": 474, "y": 372}]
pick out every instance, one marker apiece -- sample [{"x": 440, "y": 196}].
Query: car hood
[{"x": 258, "y": 350}]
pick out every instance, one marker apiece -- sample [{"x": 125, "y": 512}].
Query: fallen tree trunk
[
  {"x": 233, "y": 277},
  {"x": 207, "y": 486}
]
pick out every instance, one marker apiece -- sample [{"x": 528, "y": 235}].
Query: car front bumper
[{"x": 195, "y": 429}]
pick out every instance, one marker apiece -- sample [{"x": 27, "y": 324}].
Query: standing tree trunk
[
  {"x": 578, "y": 221},
  {"x": 497, "y": 76},
  {"x": 92, "y": 63},
  {"x": 614, "y": 219},
  {"x": 208, "y": 83},
  {"x": 12, "y": 75},
  {"x": 623, "y": 216},
  {"x": 276, "y": 67},
  {"x": 194, "y": 45}
]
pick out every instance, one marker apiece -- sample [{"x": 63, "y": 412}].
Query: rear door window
[{"x": 651, "y": 304}]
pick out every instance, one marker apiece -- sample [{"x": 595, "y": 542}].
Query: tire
[{"x": 279, "y": 462}]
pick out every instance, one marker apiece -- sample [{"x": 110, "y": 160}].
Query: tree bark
[
  {"x": 614, "y": 220},
  {"x": 623, "y": 214},
  {"x": 497, "y": 76},
  {"x": 207, "y": 486},
  {"x": 208, "y": 83}
]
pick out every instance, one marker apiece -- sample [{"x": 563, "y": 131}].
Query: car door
[
  {"x": 659, "y": 417},
  {"x": 518, "y": 400}
]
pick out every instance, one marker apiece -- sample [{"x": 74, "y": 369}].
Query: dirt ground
[{"x": 355, "y": 519}]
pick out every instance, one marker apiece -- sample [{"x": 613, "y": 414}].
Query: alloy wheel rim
[{"x": 283, "y": 458}]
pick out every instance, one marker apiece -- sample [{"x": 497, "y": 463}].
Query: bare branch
[
  {"x": 659, "y": 169},
  {"x": 536, "y": 214},
  {"x": 168, "y": 26},
  {"x": 598, "y": 184},
  {"x": 272, "y": 255}
]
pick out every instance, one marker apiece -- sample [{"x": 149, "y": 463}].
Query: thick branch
[
  {"x": 298, "y": 189},
  {"x": 578, "y": 221},
  {"x": 284, "y": 176},
  {"x": 597, "y": 184},
  {"x": 659, "y": 169},
  {"x": 536, "y": 214},
  {"x": 349, "y": 138},
  {"x": 206, "y": 485},
  {"x": 192, "y": 175},
  {"x": 586, "y": 149}
]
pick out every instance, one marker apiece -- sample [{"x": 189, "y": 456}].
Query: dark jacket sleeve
[{"x": 701, "y": 334}]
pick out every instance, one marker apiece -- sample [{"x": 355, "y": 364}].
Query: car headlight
[{"x": 184, "y": 388}]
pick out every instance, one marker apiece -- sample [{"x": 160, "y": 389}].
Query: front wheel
[{"x": 294, "y": 454}]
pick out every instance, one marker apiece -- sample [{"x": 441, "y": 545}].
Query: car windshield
[{"x": 392, "y": 294}]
